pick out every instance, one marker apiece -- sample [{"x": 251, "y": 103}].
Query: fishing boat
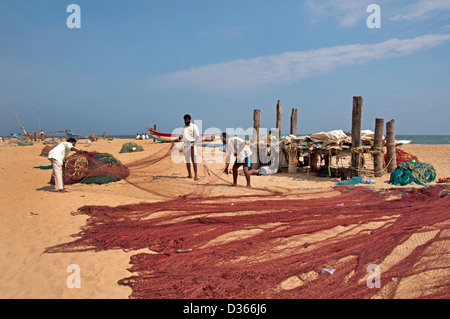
[
  {"x": 168, "y": 137},
  {"x": 78, "y": 136}
]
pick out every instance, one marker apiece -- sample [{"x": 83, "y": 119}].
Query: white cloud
[
  {"x": 347, "y": 13},
  {"x": 423, "y": 9},
  {"x": 267, "y": 71}
]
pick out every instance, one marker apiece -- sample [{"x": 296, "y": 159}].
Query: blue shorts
[{"x": 247, "y": 162}]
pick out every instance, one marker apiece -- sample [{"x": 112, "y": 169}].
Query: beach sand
[{"x": 33, "y": 217}]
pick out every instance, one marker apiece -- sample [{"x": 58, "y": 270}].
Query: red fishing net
[
  {"x": 162, "y": 174},
  {"x": 274, "y": 244},
  {"x": 92, "y": 167},
  {"x": 402, "y": 157}
]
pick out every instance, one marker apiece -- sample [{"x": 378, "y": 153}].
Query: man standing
[
  {"x": 190, "y": 136},
  {"x": 236, "y": 145},
  {"x": 57, "y": 156}
]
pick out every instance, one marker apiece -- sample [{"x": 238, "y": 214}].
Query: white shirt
[
  {"x": 237, "y": 146},
  {"x": 190, "y": 134},
  {"x": 60, "y": 151}
]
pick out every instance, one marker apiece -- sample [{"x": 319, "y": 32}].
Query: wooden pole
[
  {"x": 356, "y": 135},
  {"x": 292, "y": 150},
  {"x": 377, "y": 148},
  {"x": 154, "y": 127},
  {"x": 292, "y": 159},
  {"x": 294, "y": 122},
  {"x": 390, "y": 146},
  {"x": 279, "y": 116},
  {"x": 256, "y": 127}
]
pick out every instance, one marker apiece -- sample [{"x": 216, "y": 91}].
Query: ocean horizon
[{"x": 400, "y": 138}]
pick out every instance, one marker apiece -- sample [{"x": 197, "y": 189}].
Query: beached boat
[
  {"x": 168, "y": 137},
  {"x": 162, "y": 137},
  {"x": 78, "y": 136}
]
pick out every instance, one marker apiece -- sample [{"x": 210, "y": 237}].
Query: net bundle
[
  {"x": 401, "y": 157},
  {"x": 413, "y": 172},
  {"x": 278, "y": 245},
  {"x": 131, "y": 147},
  {"x": 92, "y": 167}
]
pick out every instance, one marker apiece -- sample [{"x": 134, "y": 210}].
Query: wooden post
[
  {"x": 104, "y": 135},
  {"x": 256, "y": 127},
  {"x": 154, "y": 127},
  {"x": 292, "y": 158},
  {"x": 35, "y": 136},
  {"x": 294, "y": 122},
  {"x": 356, "y": 135},
  {"x": 279, "y": 116},
  {"x": 377, "y": 148},
  {"x": 390, "y": 146}
]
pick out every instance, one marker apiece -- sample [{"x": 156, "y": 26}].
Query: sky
[{"x": 132, "y": 64}]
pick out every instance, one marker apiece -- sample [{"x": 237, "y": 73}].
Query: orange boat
[{"x": 168, "y": 137}]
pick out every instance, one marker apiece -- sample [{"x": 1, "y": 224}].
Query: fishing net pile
[
  {"x": 275, "y": 244},
  {"x": 401, "y": 157},
  {"x": 46, "y": 149},
  {"x": 130, "y": 148},
  {"x": 413, "y": 172},
  {"x": 23, "y": 143},
  {"x": 92, "y": 167}
]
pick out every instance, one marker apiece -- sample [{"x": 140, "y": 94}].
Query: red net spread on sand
[{"x": 280, "y": 245}]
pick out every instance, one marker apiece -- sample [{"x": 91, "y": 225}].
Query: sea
[
  {"x": 404, "y": 139},
  {"x": 423, "y": 139}
]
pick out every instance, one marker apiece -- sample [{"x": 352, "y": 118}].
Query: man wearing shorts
[
  {"x": 236, "y": 146},
  {"x": 190, "y": 137}
]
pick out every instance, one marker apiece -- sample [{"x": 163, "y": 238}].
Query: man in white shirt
[
  {"x": 236, "y": 146},
  {"x": 190, "y": 136},
  {"x": 57, "y": 156}
]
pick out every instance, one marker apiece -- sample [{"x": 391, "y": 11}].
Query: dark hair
[
  {"x": 187, "y": 116},
  {"x": 224, "y": 134},
  {"x": 71, "y": 140}
]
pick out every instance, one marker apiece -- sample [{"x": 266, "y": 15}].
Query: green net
[
  {"x": 131, "y": 147},
  {"x": 23, "y": 143},
  {"x": 413, "y": 172},
  {"x": 107, "y": 160}
]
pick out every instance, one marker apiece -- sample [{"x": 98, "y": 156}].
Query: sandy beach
[{"x": 33, "y": 217}]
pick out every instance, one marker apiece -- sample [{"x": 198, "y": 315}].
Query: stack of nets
[
  {"x": 413, "y": 172},
  {"x": 131, "y": 147},
  {"x": 402, "y": 157},
  {"x": 46, "y": 149},
  {"x": 23, "y": 143},
  {"x": 98, "y": 168}
]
